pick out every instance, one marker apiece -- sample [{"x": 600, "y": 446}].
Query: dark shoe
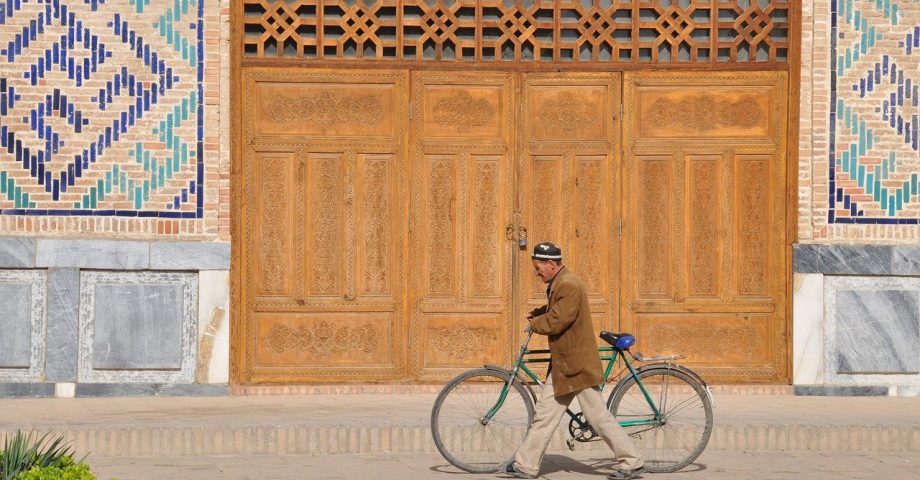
[
  {"x": 511, "y": 469},
  {"x": 625, "y": 474}
]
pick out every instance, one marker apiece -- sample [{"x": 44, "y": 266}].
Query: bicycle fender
[
  {"x": 685, "y": 371},
  {"x": 519, "y": 379},
  {"x": 664, "y": 366},
  {"x": 674, "y": 366}
]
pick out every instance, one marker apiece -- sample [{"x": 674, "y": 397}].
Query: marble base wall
[
  {"x": 856, "y": 320},
  {"x": 87, "y": 317}
]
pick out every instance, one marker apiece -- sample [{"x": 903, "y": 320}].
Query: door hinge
[{"x": 620, "y": 228}]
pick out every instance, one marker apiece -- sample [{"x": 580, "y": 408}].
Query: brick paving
[{"x": 557, "y": 466}]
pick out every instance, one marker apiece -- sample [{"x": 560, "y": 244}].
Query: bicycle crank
[{"x": 580, "y": 431}]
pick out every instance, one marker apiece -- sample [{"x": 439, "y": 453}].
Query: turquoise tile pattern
[
  {"x": 875, "y": 76},
  {"x": 102, "y": 108}
]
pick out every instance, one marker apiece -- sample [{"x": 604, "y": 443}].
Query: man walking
[{"x": 575, "y": 370}]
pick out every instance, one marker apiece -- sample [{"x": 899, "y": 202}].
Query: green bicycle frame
[{"x": 608, "y": 354}]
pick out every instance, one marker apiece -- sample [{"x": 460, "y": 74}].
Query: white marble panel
[
  {"x": 172, "y": 315},
  {"x": 878, "y": 331},
  {"x": 908, "y": 391},
  {"x": 214, "y": 326},
  {"x": 65, "y": 389},
  {"x": 808, "y": 329},
  {"x": 872, "y": 330},
  {"x": 30, "y": 312}
]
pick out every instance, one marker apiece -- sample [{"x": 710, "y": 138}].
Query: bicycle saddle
[{"x": 621, "y": 341}]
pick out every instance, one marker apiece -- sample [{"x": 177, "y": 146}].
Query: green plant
[
  {"x": 70, "y": 472},
  {"x": 21, "y": 452}
]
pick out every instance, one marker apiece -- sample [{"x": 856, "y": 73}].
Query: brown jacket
[{"x": 566, "y": 320}]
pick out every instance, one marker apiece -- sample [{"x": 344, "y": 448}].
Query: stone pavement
[{"x": 713, "y": 465}]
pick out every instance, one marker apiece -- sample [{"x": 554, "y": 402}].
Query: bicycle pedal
[{"x": 570, "y": 444}]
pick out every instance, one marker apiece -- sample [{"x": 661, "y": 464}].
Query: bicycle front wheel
[
  {"x": 461, "y": 432},
  {"x": 679, "y": 433}
]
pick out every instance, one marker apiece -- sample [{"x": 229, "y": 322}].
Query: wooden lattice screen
[{"x": 658, "y": 31}]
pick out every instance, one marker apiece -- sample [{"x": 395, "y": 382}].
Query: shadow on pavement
[
  {"x": 553, "y": 463},
  {"x": 592, "y": 466}
]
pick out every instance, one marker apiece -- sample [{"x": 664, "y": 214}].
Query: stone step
[
  {"x": 399, "y": 422},
  {"x": 351, "y": 439}
]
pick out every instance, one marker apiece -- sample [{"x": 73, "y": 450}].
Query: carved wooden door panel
[
  {"x": 570, "y": 155},
  {"x": 704, "y": 233},
  {"x": 323, "y": 215},
  {"x": 462, "y": 184}
]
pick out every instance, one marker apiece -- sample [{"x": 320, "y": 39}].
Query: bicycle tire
[
  {"x": 458, "y": 432},
  {"x": 687, "y": 410}
]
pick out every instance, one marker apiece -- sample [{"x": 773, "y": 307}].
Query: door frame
[{"x": 238, "y": 63}]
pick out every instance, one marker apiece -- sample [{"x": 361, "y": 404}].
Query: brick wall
[
  {"x": 91, "y": 200},
  {"x": 859, "y": 158},
  {"x": 113, "y": 118}
]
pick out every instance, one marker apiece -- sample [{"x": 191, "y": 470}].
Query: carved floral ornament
[
  {"x": 697, "y": 343},
  {"x": 463, "y": 112},
  {"x": 568, "y": 112},
  {"x": 460, "y": 342},
  {"x": 701, "y": 113},
  {"x": 322, "y": 338},
  {"x": 326, "y": 109}
]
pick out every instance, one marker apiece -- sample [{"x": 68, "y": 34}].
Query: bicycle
[{"x": 480, "y": 418}]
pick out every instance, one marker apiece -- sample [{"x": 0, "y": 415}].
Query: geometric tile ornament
[
  {"x": 874, "y": 157},
  {"x": 101, "y": 108}
]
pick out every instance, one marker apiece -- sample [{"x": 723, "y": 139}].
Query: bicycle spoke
[
  {"x": 685, "y": 414},
  {"x": 456, "y": 421}
]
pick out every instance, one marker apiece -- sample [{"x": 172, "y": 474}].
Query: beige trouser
[{"x": 549, "y": 411}]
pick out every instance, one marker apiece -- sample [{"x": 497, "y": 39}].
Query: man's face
[{"x": 545, "y": 269}]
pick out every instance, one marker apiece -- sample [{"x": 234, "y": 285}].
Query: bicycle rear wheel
[
  {"x": 457, "y": 420},
  {"x": 682, "y": 430}
]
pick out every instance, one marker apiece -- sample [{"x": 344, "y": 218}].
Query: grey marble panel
[
  {"x": 190, "y": 256},
  {"x": 843, "y": 259},
  {"x": 112, "y": 254},
  {"x": 137, "y": 327},
  {"x": 16, "y": 325},
  {"x": 23, "y": 323},
  {"x": 905, "y": 261},
  {"x": 837, "y": 391},
  {"x": 26, "y": 390},
  {"x": 17, "y": 252},
  {"x": 150, "y": 389},
  {"x": 878, "y": 331},
  {"x": 63, "y": 305}
]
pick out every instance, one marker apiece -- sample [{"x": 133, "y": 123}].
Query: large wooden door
[
  {"x": 569, "y": 184},
  {"x": 381, "y": 211},
  {"x": 323, "y": 216},
  {"x": 462, "y": 184},
  {"x": 704, "y": 233}
]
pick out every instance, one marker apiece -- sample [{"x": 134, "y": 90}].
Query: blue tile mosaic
[
  {"x": 81, "y": 103},
  {"x": 874, "y": 156}
]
